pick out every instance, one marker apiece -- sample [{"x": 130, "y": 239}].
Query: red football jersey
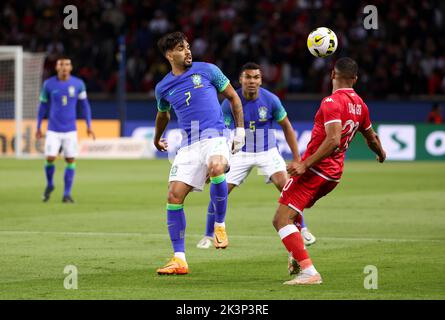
[{"x": 344, "y": 106}]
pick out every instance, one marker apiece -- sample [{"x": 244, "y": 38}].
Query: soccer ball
[{"x": 322, "y": 42}]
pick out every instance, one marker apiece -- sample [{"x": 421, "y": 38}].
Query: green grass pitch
[{"x": 391, "y": 216}]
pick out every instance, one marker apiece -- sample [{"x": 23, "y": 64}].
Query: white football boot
[
  {"x": 205, "y": 243},
  {"x": 308, "y": 237}
]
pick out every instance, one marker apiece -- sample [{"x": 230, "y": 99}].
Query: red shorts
[{"x": 303, "y": 191}]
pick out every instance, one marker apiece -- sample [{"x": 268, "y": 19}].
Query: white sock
[
  {"x": 180, "y": 255},
  {"x": 310, "y": 271},
  {"x": 222, "y": 224}
]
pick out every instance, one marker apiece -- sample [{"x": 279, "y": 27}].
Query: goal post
[{"x": 20, "y": 81}]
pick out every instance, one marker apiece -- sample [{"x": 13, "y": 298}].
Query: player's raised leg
[
  {"x": 176, "y": 224},
  {"x": 206, "y": 241},
  {"x": 218, "y": 196},
  {"x": 279, "y": 179},
  {"x": 289, "y": 234}
]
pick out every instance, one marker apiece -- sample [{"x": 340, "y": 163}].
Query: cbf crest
[
  {"x": 71, "y": 91},
  {"x": 262, "y": 113},
  {"x": 197, "y": 80}
]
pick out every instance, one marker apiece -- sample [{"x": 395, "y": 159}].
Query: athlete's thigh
[
  {"x": 325, "y": 188},
  {"x": 279, "y": 179},
  {"x": 69, "y": 144},
  {"x": 240, "y": 166},
  {"x": 300, "y": 192},
  {"x": 215, "y": 149},
  {"x": 53, "y": 141},
  {"x": 188, "y": 167},
  {"x": 271, "y": 162}
]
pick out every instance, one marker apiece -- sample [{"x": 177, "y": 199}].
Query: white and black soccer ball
[{"x": 322, "y": 42}]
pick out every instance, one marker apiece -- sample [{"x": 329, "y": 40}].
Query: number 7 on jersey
[{"x": 189, "y": 95}]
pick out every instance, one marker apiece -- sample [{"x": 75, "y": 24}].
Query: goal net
[{"x": 20, "y": 82}]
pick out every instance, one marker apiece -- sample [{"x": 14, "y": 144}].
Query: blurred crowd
[{"x": 404, "y": 56}]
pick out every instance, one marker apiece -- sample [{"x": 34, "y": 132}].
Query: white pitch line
[{"x": 165, "y": 235}]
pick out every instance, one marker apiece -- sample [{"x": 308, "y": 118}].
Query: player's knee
[
  {"x": 216, "y": 168},
  {"x": 174, "y": 197},
  {"x": 50, "y": 159}
]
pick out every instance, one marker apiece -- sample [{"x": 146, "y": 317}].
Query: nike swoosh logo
[
  {"x": 171, "y": 92},
  {"x": 317, "y": 40}
]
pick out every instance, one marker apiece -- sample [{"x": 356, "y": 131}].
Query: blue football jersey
[
  {"x": 61, "y": 97},
  {"x": 259, "y": 115},
  {"x": 193, "y": 96}
]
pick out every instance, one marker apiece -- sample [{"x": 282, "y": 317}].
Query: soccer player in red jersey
[{"x": 339, "y": 117}]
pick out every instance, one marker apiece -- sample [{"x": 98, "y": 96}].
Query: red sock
[{"x": 293, "y": 242}]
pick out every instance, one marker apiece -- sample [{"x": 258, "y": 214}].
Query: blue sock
[
  {"x": 303, "y": 225},
  {"x": 218, "y": 196},
  {"x": 50, "y": 168},
  {"x": 70, "y": 170},
  {"x": 210, "y": 220},
  {"x": 176, "y": 226}
]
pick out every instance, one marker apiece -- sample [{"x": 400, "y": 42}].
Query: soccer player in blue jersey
[
  {"x": 58, "y": 99},
  {"x": 191, "y": 90},
  {"x": 261, "y": 108}
]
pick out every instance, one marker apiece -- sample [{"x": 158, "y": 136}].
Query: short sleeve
[
  {"x": 278, "y": 111},
  {"x": 366, "y": 123},
  {"x": 330, "y": 111},
  {"x": 163, "y": 106},
  {"x": 227, "y": 112},
  {"x": 217, "y": 78},
  {"x": 44, "y": 93},
  {"x": 82, "y": 91}
]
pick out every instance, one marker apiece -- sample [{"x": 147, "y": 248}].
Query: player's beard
[{"x": 188, "y": 64}]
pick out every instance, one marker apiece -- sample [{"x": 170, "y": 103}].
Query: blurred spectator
[
  {"x": 405, "y": 56},
  {"x": 435, "y": 115}
]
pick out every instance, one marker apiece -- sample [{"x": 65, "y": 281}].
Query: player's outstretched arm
[
  {"x": 291, "y": 138},
  {"x": 237, "y": 111},
  {"x": 329, "y": 144},
  {"x": 162, "y": 119},
  {"x": 373, "y": 141}
]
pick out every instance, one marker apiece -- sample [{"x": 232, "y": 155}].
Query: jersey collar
[{"x": 343, "y": 89}]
